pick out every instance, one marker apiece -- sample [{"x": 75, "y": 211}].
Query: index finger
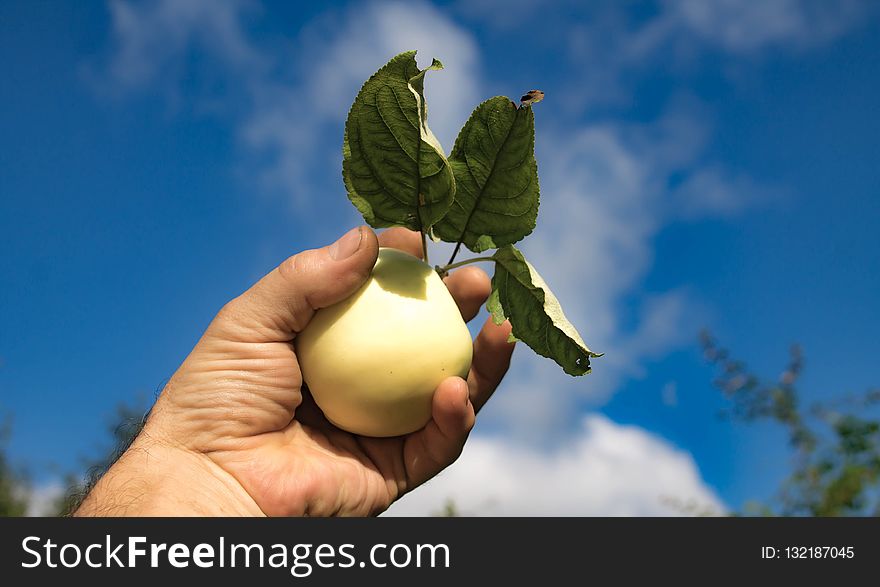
[
  {"x": 492, "y": 353},
  {"x": 402, "y": 239}
]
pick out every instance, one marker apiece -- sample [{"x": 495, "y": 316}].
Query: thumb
[{"x": 280, "y": 305}]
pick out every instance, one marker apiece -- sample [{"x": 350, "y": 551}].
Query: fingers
[
  {"x": 440, "y": 442},
  {"x": 282, "y": 303},
  {"x": 453, "y": 413},
  {"x": 402, "y": 239},
  {"x": 469, "y": 286},
  {"x": 454, "y": 408},
  {"x": 491, "y": 360}
]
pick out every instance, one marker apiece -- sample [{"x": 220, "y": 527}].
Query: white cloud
[
  {"x": 742, "y": 27},
  {"x": 370, "y": 35},
  {"x": 736, "y": 26},
  {"x": 611, "y": 45},
  {"x": 712, "y": 191},
  {"x": 295, "y": 95},
  {"x": 152, "y": 38},
  {"x": 336, "y": 53},
  {"x": 605, "y": 470}
]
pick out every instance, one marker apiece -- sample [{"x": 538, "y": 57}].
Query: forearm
[{"x": 154, "y": 479}]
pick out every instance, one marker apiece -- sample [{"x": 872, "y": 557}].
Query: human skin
[{"x": 235, "y": 432}]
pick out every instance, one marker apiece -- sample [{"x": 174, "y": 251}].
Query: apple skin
[{"x": 373, "y": 361}]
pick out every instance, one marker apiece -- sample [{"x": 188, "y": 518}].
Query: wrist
[{"x": 158, "y": 479}]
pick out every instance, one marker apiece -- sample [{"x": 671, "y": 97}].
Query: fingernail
[{"x": 348, "y": 245}]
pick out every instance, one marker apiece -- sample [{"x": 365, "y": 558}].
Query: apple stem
[
  {"x": 454, "y": 253},
  {"x": 444, "y": 271}
]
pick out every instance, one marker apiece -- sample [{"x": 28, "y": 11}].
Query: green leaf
[
  {"x": 393, "y": 167},
  {"x": 496, "y": 178},
  {"x": 521, "y": 296}
]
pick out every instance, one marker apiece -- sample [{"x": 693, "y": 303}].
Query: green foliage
[
  {"x": 520, "y": 295},
  {"x": 496, "y": 178},
  {"x": 485, "y": 196},
  {"x": 13, "y": 483},
  {"x": 836, "y": 463},
  {"x": 393, "y": 167},
  {"x": 449, "y": 510},
  {"x": 123, "y": 427}
]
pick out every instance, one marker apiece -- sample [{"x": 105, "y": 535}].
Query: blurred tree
[
  {"x": 13, "y": 483},
  {"x": 449, "y": 510},
  {"x": 125, "y": 425},
  {"x": 836, "y": 445},
  {"x": 836, "y": 464}
]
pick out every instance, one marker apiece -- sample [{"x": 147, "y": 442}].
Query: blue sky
[{"x": 702, "y": 164}]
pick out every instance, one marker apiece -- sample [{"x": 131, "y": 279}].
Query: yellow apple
[{"x": 373, "y": 361}]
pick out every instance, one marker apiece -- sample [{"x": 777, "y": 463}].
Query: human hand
[{"x": 235, "y": 432}]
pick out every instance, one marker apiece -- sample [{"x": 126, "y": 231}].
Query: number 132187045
[{"x": 808, "y": 552}]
